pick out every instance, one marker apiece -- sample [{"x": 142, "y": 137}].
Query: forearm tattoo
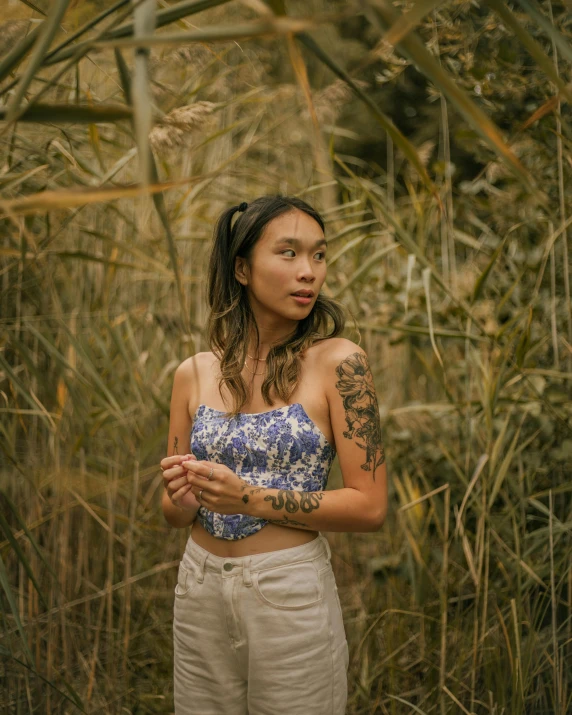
[
  {"x": 246, "y": 485},
  {"x": 175, "y": 446},
  {"x": 289, "y": 522},
  {"x": 357, "y": 390},
  {"x": 294, "y": 501}
]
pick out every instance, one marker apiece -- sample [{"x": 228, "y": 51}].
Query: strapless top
[{"x": 281, "y": 449}]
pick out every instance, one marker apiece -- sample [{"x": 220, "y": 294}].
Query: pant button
[{"x": 228, "y": 567}]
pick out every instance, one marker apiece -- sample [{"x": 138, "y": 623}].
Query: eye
[{"x": 290, "y": 250}]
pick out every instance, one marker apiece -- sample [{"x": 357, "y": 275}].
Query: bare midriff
[{"x": 271, "y": 537}]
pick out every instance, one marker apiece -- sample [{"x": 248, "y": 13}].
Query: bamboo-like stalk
[
  {"x": 443, "y": 590},
  {"x": 128, "y": 559},
  {"x": 562, "y": 204}
]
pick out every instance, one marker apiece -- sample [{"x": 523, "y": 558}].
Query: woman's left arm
[
  {"x": 354, "y": 413},
  {"x": 361, "y": 505}
]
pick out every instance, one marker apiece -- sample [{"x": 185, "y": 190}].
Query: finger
[
  {"x": 177, "y": 474},
  {"x": 210, "y": 488},
  {"x": 175, "y": 484},
  {"x": 174, "y": 472},
  {"x": 174, "y": 459},
  {"x": 203, "y": 469},
  {"x": 180, "y": 493}
]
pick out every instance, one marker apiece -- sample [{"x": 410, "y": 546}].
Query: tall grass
[{"x": 449, "y": 242}]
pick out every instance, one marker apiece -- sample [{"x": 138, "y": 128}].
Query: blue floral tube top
[{"x": 281, "y": 449}]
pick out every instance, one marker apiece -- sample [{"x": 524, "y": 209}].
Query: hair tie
[{"x": 243, "y": 206}]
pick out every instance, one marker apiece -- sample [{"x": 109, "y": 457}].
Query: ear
[{"x": 241, "y": 270}]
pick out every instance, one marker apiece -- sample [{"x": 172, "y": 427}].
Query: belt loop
[
  {"x": 246, "y": 577},
  {"x": 201, "y": 569}
]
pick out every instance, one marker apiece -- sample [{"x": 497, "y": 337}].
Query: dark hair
[{"x": 230, "y": 319}]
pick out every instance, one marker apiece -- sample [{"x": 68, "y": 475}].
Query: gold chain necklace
[{"x": 252, "y": 371}]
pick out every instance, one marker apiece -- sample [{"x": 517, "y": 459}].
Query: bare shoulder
[
  {"x": 191, "y": 368},
  {"x": 334, "y": 350},
  {"x": 347, "y": 372}
]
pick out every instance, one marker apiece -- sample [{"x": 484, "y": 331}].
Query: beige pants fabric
[{"x": 259, "y": 635}]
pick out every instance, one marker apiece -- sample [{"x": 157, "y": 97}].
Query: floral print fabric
[{"x": 281, "y": 449}]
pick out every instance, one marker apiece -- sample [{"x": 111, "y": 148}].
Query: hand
[
  {"x": 176, "y": 484},
  {"x": 223, "y": 493}
]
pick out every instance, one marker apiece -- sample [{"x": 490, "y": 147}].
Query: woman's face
[{"x": 290, "y": 256}]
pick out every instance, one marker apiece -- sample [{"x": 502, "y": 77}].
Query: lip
[{"x": 302, "y": 300}]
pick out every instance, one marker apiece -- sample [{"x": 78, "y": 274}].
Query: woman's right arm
[{"x": 179, "y": 504}]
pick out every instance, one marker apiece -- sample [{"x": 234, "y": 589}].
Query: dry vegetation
[{"x": 450, "y": 248}]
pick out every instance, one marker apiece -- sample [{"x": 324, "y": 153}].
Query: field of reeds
[{"x": 435, "y": 138}]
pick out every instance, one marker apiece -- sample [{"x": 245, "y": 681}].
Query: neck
[{"x": 261, "y": 351}]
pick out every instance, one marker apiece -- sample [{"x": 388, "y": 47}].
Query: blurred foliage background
[{"x": 435, "y": 138}]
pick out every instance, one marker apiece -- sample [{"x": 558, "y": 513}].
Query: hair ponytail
[{"x": 221, "y": 263}]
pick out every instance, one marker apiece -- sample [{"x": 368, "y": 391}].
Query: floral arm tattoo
[
  {"x": 356, "y": 387},
  {"x": 357, "y": 390}
]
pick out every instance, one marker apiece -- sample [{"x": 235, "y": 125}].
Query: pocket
[
  {"x": 332, "y": 597},
  {"x": 186, "y": 581},
  {"x": 288, "y": 587}
]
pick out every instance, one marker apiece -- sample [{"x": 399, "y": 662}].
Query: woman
[{"x": 258, "y": 626}]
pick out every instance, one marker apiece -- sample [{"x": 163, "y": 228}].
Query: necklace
[{"x": 252, "y": 371}]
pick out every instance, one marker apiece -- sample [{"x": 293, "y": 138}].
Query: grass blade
[
  {"x": 413, "y": 48},
  {"x": 534, "y": 48},
  {"x": 5, "y": 527},
  {"x": 559, "y": 40},
  {"x": 52, "y": 200},
  {"x": 407, "y": 22},
  {"x": 49, "y": 30},
  {"x": 163, "y": 17},
  {"x": 426, "y": 275},
  {"x": 4, "y": 582},
  {"x": 404, "y": 144},
  {"x": 62, "y": 113},
  {"x": 17, "y": 54}
]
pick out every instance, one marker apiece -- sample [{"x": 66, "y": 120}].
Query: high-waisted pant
[{"x": 259, "y": 635}]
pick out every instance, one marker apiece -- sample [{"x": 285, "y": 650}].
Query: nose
[{"x": 307, "y": 271}]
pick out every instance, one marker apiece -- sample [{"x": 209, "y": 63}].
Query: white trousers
[{"x": 259, "y": 635}]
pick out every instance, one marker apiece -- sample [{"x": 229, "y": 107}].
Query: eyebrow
[{"x": 296, "y": 241}]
